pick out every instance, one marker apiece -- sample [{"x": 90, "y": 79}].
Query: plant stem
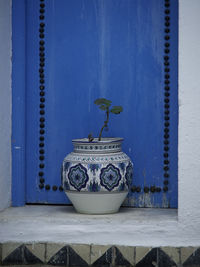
[{"x": 105, "y": 124}]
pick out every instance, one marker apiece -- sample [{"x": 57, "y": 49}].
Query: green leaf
[
  {"x": 103, "y": 107},
  {"x": 102, "y": 101},
  {"x": 116, "y": 109}
]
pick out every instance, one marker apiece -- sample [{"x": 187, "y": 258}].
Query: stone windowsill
[
  {"x": 134, "y": 227},
  {"x": 57, "y": 235}
]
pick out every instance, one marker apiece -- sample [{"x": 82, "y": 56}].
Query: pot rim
[{"x": 104, "y": 140}]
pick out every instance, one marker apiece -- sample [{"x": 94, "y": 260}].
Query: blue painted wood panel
[{"x": 77, "y": 51}]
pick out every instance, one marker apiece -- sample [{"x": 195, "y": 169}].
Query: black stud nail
[
  {"x": 146, "y": 189},
  {"x": 54, "y": 188},
  {"x": 41, "y": 30},
  {"x": 153, "y": 189},
  {"x": 133, "y": 189},
  {"x": 166, "y": 105},
  {"x": 166, "y": 168},
  {"x": 42, "y": 93},
  {"x": 166, "y": 148},
  {"x": 138, "y": 189},
  {"x": 42, "y": 11},
  {"x": 41, "y": 186},
  {"x": 42, "y": 180},
  {"x": 166, "y": 161},
  {"x": 165, "y": 188},
  {"x": 41, "y": 166},
  {"x": 60, "y": 188},
  {"x": 166, "y": 182},
  {"x": 41, "y": 17},
  {"x": 41, "y": 35},
  {"x": 166, "y": 142},
  {"x": 41, "y": 151},
  {"x": 47, "y": 187},
  {"x": 41, "y": 80},
  {"x": 42, "y": 119}
]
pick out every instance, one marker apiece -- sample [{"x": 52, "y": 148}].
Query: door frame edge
[{"x": 18, "y": 136}]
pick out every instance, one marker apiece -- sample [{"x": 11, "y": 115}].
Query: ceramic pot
[{"x": 97, "y": 175}]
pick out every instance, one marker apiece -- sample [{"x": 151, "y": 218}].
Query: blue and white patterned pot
[{"x": 97, "y": 167}]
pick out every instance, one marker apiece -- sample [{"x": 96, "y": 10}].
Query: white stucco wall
[
  {"x": 5, "y": 103},
  {"x": 189, "y": 112}
]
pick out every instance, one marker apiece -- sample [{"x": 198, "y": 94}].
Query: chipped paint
[{"x": 165, "y": 201}]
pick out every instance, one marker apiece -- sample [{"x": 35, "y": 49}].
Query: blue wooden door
[{"x": 123, "y": 50}]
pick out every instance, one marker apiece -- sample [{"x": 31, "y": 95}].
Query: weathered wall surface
[
  {"x": 189, "y": 112},
  {"x": 5, "y": 103}
]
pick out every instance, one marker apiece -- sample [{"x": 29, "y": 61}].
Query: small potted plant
[{"x": 97, "y": 175}]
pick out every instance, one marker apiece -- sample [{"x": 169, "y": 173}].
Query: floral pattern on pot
[
  {"x": 122, "y": 187},
  {"x": 122, "y": 166},
  {"x": 67, "y": 165},
  {"x": 129, "y": 174},
  {"x": 94, "y": 167},
  {"x": 66, "y": 185},
  {"x": 110, "y": 177},
  {"x": 78, "y": 176},
  {"x": 94, "y": 187}
]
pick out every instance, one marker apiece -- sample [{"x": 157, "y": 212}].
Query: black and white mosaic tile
[
  {"x": 104, "y": 260},
  {"x": 164, "y": 260},
  {"x": 84, "y": 255},
  {"x": 60, "y": 258},
  {"x": 120, "y": 260},
  {"x": 193, "y": 260},
  {"x": 21, "y": 255},
  {"x": 149, "y": 260},
  {"x": 66, "y": 256}
]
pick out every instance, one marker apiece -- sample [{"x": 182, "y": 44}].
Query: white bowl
[{"x": 97, "y": 202}]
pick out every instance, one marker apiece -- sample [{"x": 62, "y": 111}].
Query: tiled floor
[{"x": 78, "y": 255}]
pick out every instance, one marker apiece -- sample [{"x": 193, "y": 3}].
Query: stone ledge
[
  {"x": 129, "y": 227},
  {"x": 57, "y": 235},
  {"x": 48, "y": 254}
]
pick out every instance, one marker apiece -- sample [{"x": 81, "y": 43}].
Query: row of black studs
[
  {"x": 166, "y": 93},
  {"x": 146, "y": 189},
  {"x": 42, "y": 95},
  {"x": 154, "y": 189},
  {"x": 42, "y": 100}
]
